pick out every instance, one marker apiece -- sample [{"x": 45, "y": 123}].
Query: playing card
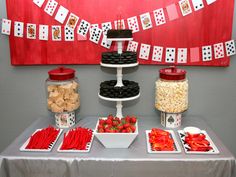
[
  {"x": 92, "y": 26},
  {"x": 185, "y": 7},
  {"x": 157, "y": 53},
  {"x": 230, "y": 48},
  {"x": 210, "y": 1},
  {"x": 219, "y": 50},
  {"x": 105, "y": 43},
  {"x": 83, "y": 28},
  {"x": 197, "y": 4},
  {"x": 144, "y": 51},
  {"x": 72, "y": 21},
  {"x": 69, "y": 34},
  {"x": 120, "y": 24},
  {"x": 146, "y": 21},
  {"x": 18, "y": 29},
  {"x": 51, "y": 7},
  {"x": 172, "y": 12},
  {"x": 56, "y": 33},
  {"x": 39, "y": 2},
  {"x": 106, "y": 26},
  {"x": 43, "y": 32},
  {"x": 133, "y": 24},
  {"x": 206, "y": 53},
  {"x": 170, "y": 55},
  {"x": 132, "y": 46},
  {"x": 194, "y": 54},
  {"x": 61, "y": 14},
  {"x": 95, "y": 35},
  {"x": 159, "y": 16},
  {"x": 31, "y": 31},
  {"x": 6, "y": 26},
  {"x": 182, "y": 55}
]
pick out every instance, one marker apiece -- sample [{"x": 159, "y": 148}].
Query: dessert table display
[{"x": 134, "y": 161}]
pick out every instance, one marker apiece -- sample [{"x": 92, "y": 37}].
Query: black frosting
[
  {"x": 121, "y": 33},
  {"x": 114, "y": 58}
]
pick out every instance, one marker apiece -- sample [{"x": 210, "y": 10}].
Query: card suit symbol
[{"x": 171, "y": 120}]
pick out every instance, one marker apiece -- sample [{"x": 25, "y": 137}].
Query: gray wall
[{"x": 22, "y": 94}]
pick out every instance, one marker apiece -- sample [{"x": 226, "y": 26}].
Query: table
[{"x": 132, "y": 162}]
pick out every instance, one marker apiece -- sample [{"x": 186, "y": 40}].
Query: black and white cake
[
  {"x": 108, "y": 89},
  {"x": 114, "y": 58},
  {"x": 119, "y": 33}
]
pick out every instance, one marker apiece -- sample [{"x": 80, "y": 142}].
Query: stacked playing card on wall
[
  {"x": 206, "y": 53},
  {"x": 91, "y": 27},
  {"x": 6, "y": 26},
  {"x": 172, "y": 12},
  {"x": 159, "y": 16},
  {"x": 230, "y": 48},
  {"x": 194, "y": 54},
  {"x": 43, "y": 32},
  {"x": 182, "y": 55},
  {"x": 69, "y": 33},
  {"x": 170, "y": 55},
  {"x": 119, "y": 24},
  {"x": 185, "y": 7},
  {"x": 95, "y": 35},
  {"x": 51, "y": 7},
  {"x": 219, "y": 50},
  {"x": 144, "y": 51},
  {"x": 146, "y": 21},
  {"x": 39, "y": 2},
  {"x": 56, "y": 33},
  {"x": 83, "y": 30},
  {"x": 132, "y": 46},
  {"x": 61, "y": 14},
  {"x": 31, "y": 31},
  {"x": 157, "y": 53},
  {"x": 133, "y": 24},
  {"x": 18, "y": 29},
  {"x": 105, "y": 27},
  {"x": 72, "y": 21},
  {"x": 197, "y": 4}
]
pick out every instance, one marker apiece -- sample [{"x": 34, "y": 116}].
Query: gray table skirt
[{"x": 131, "y": 162}]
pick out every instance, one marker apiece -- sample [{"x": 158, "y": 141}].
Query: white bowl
[
  {"x": 192, "y": 130},
  {"x": 116, "y": 140}
]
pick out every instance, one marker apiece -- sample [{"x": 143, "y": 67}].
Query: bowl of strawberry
[{"x": 114, "y": 132}]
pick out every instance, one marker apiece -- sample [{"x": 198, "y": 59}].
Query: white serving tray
[
  {"x": 23, "y": 147},
  {"x": 89, "y": 145},
  {"x": 186, "y": 147},
  {"x": 177, "y": 147}
]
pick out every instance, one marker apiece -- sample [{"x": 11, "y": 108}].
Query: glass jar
[
  {"x": 172, "y": 91},
  {"x": 62, "y": 95}
]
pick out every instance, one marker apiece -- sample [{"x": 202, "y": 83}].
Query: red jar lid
[
  {"x": 172, "y": 73},
  {"x": 61, "y": 73}
]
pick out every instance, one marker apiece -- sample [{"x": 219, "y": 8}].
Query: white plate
[
  {"x": 186, "y": 147},
  {"x": 192, "y": 130},
  {"x": 177, "y": 147},
  {"x": 23, "y": 147},
  {"x": 89, "y": 145}
]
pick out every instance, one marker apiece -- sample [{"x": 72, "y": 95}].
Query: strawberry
[
  {"x": 110, "y": 117},
  {"x": 109, "y": 121},
  {"x": 129, "y": 130},
  {"x": 120, "y": 127},
  {"x": 127, "y": 119},
  {"x": 133, "y": 128},
  {"x": 115, "y": 123},
  {"x": 100, "y": 130},
  {"x": 133, "y": 120},
  {"x": 101, "y": 121},
  {"x": 126, "y": 125},
  {"x": 100, "y": 126},
  {"x": 124, "y": 131}
]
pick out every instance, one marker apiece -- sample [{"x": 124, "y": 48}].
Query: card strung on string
[
  {"x": 170, "y": 55},
  {"x": 194, "y": 54},
  {"x": 206, "y": 53},
  {"x": 43, "y": 32},
  {"x": 39, "y": 3},
  {"x": 185, "y": 7},
  {"x": 219, "y": 50},
  {"x": 6, "y": 26},
  {"x": 106, "y": 26},
  {"x": 95, "y": 35},
  {"x": 157, "y": 53},
  {"x": 133, "y": 24},
  {"x": 56, "y": 33},
  {"x": 159, "y": 16},
  {"x": 18, "y": 29},
  {"x": 132, "y": 46},
  {"x": 172, "y": 12},
  {"x": 105, "y": 43},
  {"x": 61, "y": 14},
  {"x": 146, "y": 21},
  {"x": 69, "y": 33},
  {"x": 210, "y": 1},
  {"x": 72, "y": 21},
  {"x": 51, "y": 7},
  {"x": 91, "y": 27},
  {"x": 197, "y": 4},
  {"x": 230, "y": 48},
  {"x": 31, "y": 31},
  {"x": 120, "y": 24},
  {"x": 83, "y": 30},
  {"x": 182, "y": 55},
  {"x": 144, "y": 51}
]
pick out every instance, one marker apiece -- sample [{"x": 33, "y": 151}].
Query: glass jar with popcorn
[
  {"x": 171, "y": 96},
  {"x": 62, "y": 95}
]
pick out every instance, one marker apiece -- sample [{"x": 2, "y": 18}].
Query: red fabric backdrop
[{"x": 210, "y": 25}]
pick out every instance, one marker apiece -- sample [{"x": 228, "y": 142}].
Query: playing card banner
[{"x": 42, "y": 29}]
